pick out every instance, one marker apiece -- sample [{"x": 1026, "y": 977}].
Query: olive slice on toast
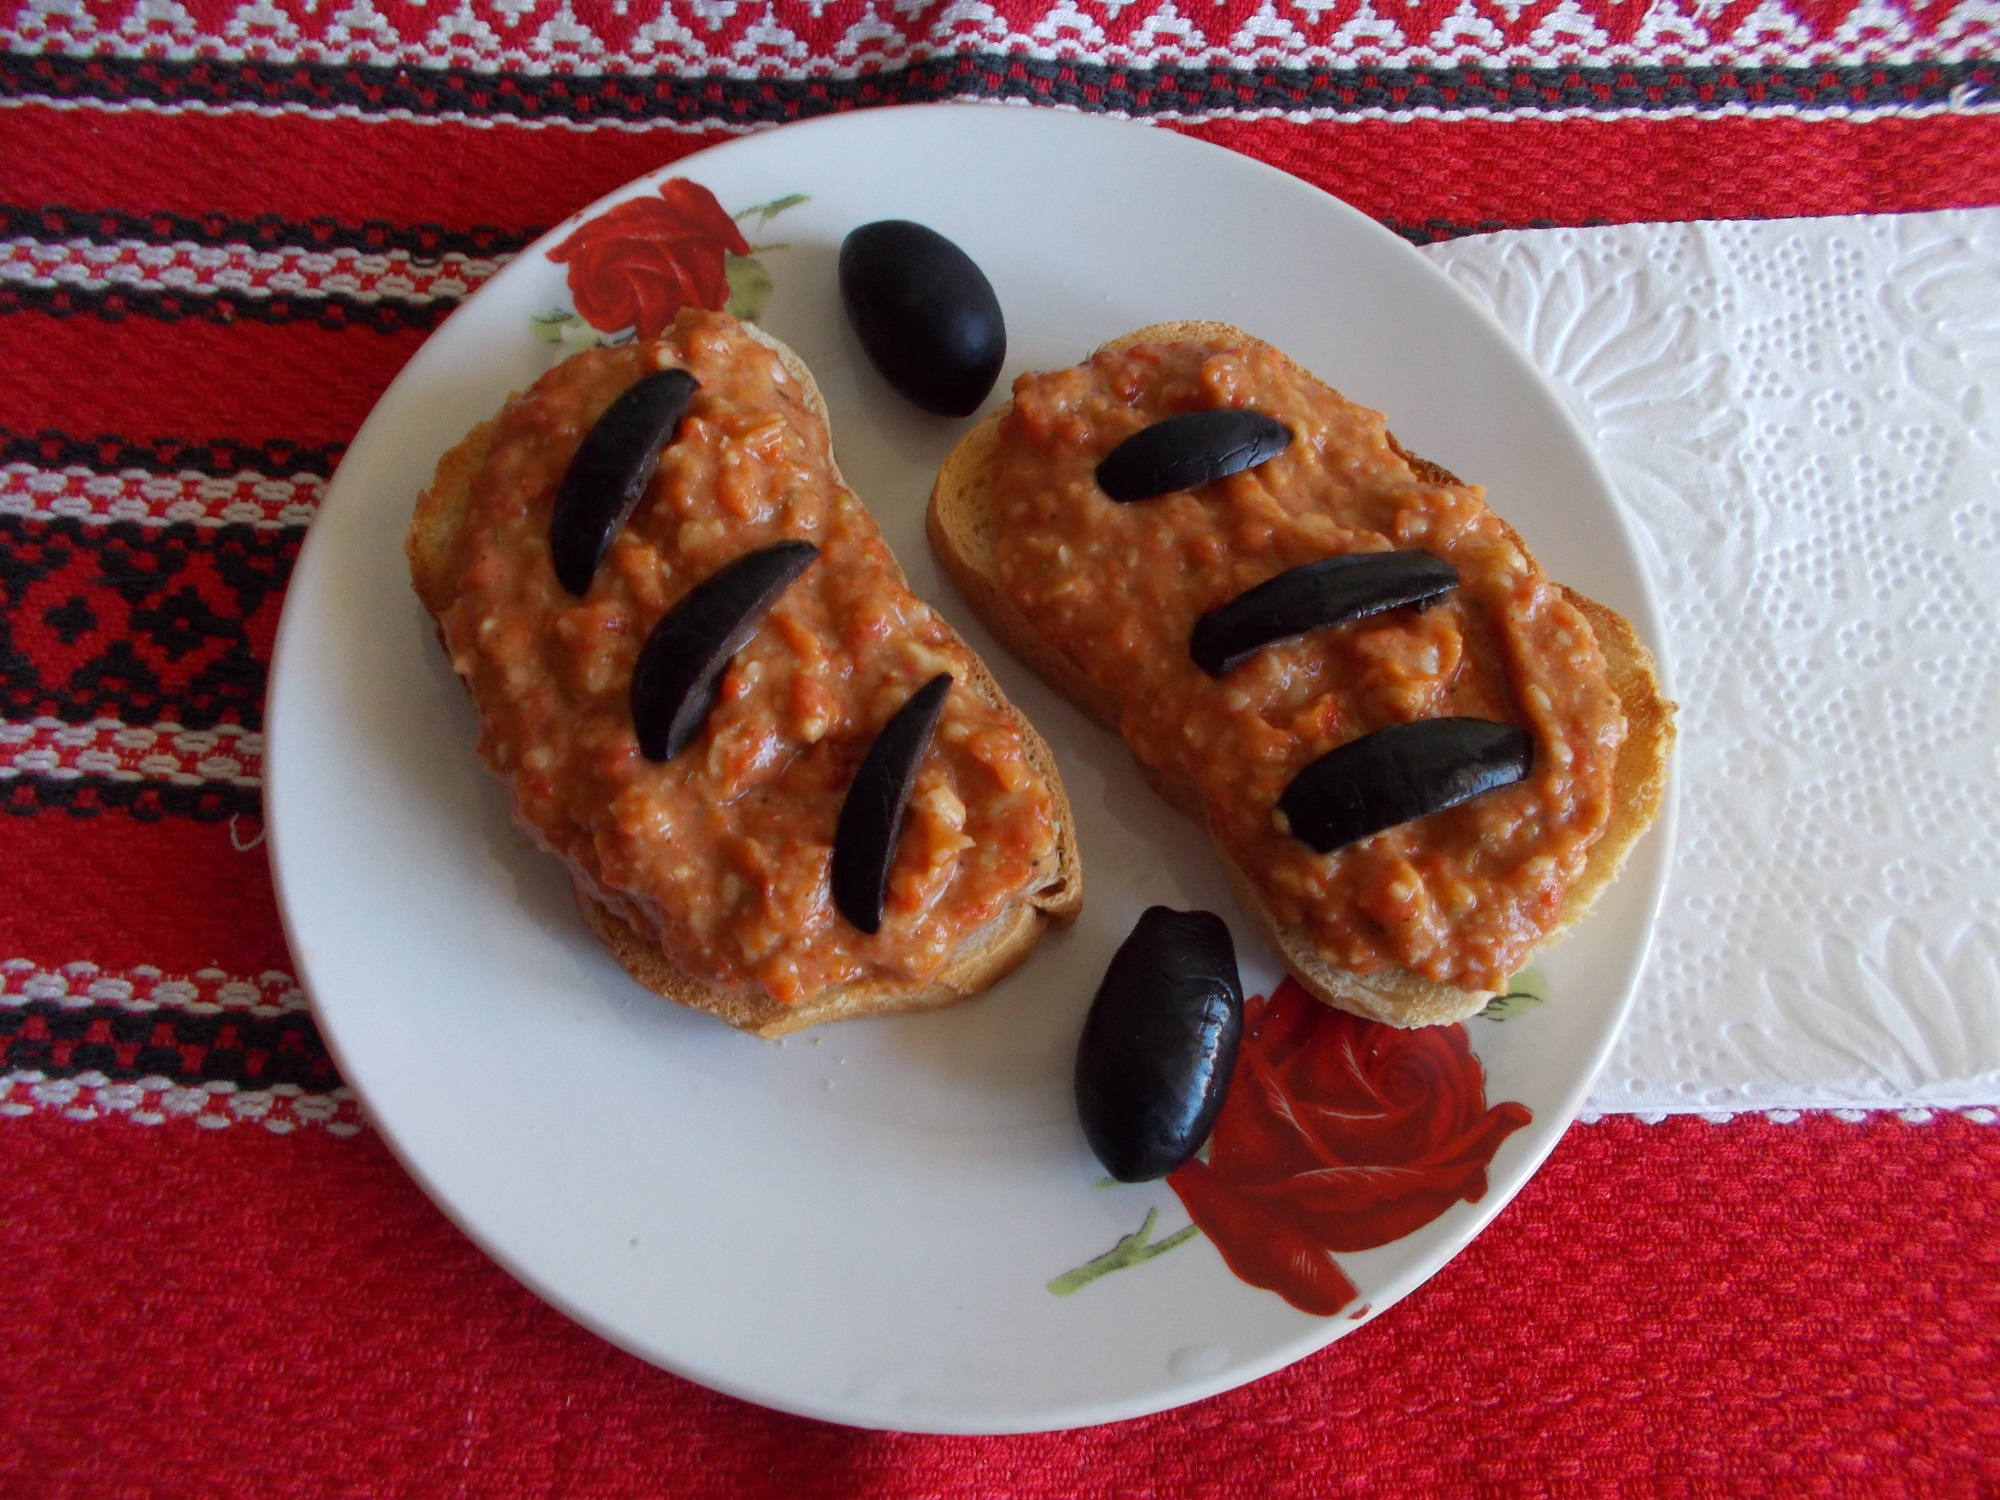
[
  {"x": 610, "y": 472},
  {"x": 1314, "y": 596},
  {"x": 871, "y": 815},
  {"x": 681, "y": 665},
  {"x": 1178, "y": 453},
  {"x": 1397, "y": 774}
]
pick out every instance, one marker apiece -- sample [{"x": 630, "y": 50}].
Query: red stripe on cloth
[
  {"x": 243, "y": 165},
  {"x": 1464, "y": 171},
  {"x": 1676, "y": 1308},
  {"x": 119, "y": 892},
  {"x": 140, "y": 377},
  {"x": 1627, "y": 171}
]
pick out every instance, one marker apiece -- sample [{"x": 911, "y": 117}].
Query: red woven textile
[
  {"x": 1681, "y": 1308},
  {"x": 246, "y": 1295},
  {"x": 1463, "y": 172}
]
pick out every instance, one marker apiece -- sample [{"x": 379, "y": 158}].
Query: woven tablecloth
[{"x": 226, "y": 227}]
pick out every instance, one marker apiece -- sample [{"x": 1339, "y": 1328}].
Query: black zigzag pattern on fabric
[
  {"x": 140, "y": 623},
  {"x": 249, "y": 1051},
  {"x": 222, "y": 457},
  {"x": 337, "y": 312},
  {"x": 54, "y": 221},
  {"x": 1093, "y": 87},
  {"x": 149, "y": 801}
]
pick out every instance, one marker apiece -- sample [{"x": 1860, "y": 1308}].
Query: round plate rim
[{"x": 1651, "y": 863}]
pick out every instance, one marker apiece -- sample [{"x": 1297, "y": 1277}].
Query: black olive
[
  {"x": 1160, "y": 1044},
  {"x": 1405, "y": 771},
  {"x": 680, "y": 666},
  {"x": 1313, "y": 597},
  {"x": 610, "y": 472},
  {"x": 925, "y": 313},
  {"x": 1178, "y": 453},
  {"x": 871, "y": 815}
]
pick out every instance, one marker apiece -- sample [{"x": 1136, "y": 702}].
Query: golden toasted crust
[
  {"x": 440, "y": 511},
  {"x": 961, "y": 530},
  {"x": 981, "y": 961}
]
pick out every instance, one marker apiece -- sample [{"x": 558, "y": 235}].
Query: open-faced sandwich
[
  {"x": 1419, "y": 758},
  {"x": 785, "y": 790}
]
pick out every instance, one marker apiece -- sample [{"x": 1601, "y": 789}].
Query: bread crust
[
  {"x": 980, "y": 961},
  {"x": 960, "y": 526}
]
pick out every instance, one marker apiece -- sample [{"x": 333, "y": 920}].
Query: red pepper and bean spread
[
  {"x": 1460, "y": 896},
  {"x": 722, "y": 854}
]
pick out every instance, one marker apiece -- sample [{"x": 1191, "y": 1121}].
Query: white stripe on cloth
[
  {"x": 169, "y": 752},
  {"x": 95, "y": 497},
  {"x": 280, "y": 1109},
  {"x": 206, "y": 992},
  {"x": 687, "y": 38},
  {"x": 157, "y": 1100},
  {"x": 362, "y": 276}
]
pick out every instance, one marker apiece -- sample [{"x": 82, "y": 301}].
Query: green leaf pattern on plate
[
  {"x": 749, "y": 286},
  {"x": 1134, "y": 1249},
  {"x": 1525, "y": 991}
]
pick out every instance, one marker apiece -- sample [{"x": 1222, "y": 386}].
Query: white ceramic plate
[{"x": 860, "y": 1224}]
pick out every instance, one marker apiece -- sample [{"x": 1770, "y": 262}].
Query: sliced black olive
[
  {"x": 1178, "y": 453},
  {"x": 871, "y": 815},
  {"x": 1405, "y": 771},
  {"x": 610, "y": 473},
  {"x": 925, "y": 313},
  {"x": 1313, "y": 597},
  {"x": 681, "y": 665},
  {"x": 1160, "y": 1044}
]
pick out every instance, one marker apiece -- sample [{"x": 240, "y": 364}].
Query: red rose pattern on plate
[
  {"x": 1339, "y": 1134},
  {"x": 632, "y": 268},
  {"x": 640, "y": 262}
]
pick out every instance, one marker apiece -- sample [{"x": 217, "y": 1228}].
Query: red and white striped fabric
[
  {"x": 225, "y": 224},
  {"x": 616, "y": 62}
]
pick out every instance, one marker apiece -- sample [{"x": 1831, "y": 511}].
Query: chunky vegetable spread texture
[
  {"x": 722, "y": 852},
  {"x": 1460, "y": 896}
]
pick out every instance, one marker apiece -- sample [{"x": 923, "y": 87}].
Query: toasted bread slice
[
  {"x": 960, "y": 524},
  {"x": 981, "y": 960}
]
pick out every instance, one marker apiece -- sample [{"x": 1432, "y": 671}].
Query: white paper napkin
[{"x": 1802, "y": 416}]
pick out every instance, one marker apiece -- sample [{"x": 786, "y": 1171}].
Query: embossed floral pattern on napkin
[{"x": 1804, "y": 418}]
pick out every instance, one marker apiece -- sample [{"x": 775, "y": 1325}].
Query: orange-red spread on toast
[
  {"x": 721, "y": 854},
  {"x": 1460, "y": 896}
]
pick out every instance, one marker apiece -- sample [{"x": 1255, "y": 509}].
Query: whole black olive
[
  {"x": 610, "y": 472},
  {"x": 871, "y": 815},
  {"x": 1160, "y": 1042},
  {"x": 680, "y": 667},
  {"x": 925, "y": 313},
  {"x": 1178, "y": 453},
  {"x": 1313, "y": 597},
  {"x": 1403, "y": 772}
]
